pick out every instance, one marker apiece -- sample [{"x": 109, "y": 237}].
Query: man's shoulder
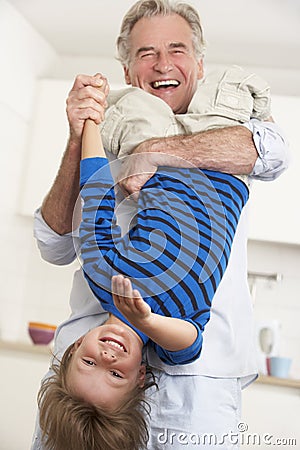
[{"x": 231, "y": 74}]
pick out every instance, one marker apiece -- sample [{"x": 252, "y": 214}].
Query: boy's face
[{"x": 106, "y": 365}]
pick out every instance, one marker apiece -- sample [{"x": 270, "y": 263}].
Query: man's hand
[
  {"x": 129, "y": 301},
  {"x": 86, "y": 100},
  {"x": 135, "y": 171}
]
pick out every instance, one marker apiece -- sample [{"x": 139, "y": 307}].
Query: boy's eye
[
  {"x": 89, "y": 362},
  {"x": 115, "y": 374}
]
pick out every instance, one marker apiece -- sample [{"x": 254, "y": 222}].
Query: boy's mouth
[{"x": 114, "y": 343}]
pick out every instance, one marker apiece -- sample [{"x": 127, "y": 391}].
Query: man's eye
[
  {"x": 147, "y": 55},
  {"x": 115, "y": 374},
  {"x": 177, "y": 51},
  {"x": 88, "y": 362}
]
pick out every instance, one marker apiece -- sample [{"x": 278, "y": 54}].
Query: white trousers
[{"x": 195, "y": 412}]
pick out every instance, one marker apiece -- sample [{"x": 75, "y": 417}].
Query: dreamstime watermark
[{"x": 240, "y": 437}]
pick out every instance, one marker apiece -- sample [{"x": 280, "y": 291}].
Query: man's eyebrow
[
  {"x": 177, "y": 45},
  {"x": 143, "y": 49},
  {"x": 151, "y": 47}
]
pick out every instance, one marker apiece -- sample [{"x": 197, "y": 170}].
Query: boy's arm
[
  {"x": 170, "y": 333},
  {"x": 91, "y": 141}
]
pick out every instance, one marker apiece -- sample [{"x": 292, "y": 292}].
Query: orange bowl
[{"x": 41, "y": 333}]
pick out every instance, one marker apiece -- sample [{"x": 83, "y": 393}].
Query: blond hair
[
  {"x": 69, "y": 423},
  {"x": 152, "y": 8}
]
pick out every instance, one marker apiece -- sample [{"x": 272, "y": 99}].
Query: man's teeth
[
  {"x": 115, "y": 344},
  {"x": 164, "y": 83}
]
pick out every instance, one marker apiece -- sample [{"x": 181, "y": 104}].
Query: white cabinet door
[
  {"x": 47, "y": 140},
  {"x": 274, "y": 206}
]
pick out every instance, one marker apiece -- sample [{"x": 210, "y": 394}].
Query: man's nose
[{"x": 163, "y": 63}]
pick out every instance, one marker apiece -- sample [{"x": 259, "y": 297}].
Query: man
[{"x": 161, "y": 50}]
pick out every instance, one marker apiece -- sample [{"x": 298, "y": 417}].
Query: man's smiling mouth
[{"x": 163, "y": 84}]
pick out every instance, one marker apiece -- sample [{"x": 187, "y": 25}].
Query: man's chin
[{"x": 167, "y": 97}]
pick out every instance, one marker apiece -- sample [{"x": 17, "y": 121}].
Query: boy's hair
[
  {"x": 153, "y": 8},
  {"x": 70, "y": 423}
]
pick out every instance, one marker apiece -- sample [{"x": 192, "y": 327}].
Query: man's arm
[
  {"x": 168, "y": 332},
  {"x": 85, "y": 101},
  {"x": 229, "y": 150},
  {"x": 58, "y": 205}
]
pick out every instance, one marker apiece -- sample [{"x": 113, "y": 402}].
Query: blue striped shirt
[{"x": 177, "y": 249}]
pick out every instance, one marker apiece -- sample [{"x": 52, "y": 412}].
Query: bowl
[{"x": 41, "y": 333}]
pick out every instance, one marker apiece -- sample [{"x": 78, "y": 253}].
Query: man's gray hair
[{"x": 152, "y": 8}]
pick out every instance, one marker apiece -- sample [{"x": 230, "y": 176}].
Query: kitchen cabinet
[
  {"x": 273, "y": 215},
  {"x": 274, "y": 212},
  {"x": 22, "y": 368}
]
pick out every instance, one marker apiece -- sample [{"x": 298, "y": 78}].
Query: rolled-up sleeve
[
  {"x": 272, "y": 148},
  {"x": 54, "y": 248}
]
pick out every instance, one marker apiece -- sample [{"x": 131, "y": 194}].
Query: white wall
[
  {"x": 30, "y": 289},
  {"x": 34, "y": 290},
  {"x": 279, "y": 300},
  {"x": 25, "y": 280},
  {"x": 273, "y": 409}
]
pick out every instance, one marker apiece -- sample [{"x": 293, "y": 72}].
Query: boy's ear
[
  {"x": 142, "y": 376},
  {"x": 77, "y": 343}
]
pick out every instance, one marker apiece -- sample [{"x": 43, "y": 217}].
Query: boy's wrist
[{"x": 145, "y": 324}]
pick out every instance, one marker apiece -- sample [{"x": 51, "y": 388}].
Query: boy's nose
[{"x": 108, "y": 355}]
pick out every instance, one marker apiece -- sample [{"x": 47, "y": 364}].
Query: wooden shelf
[
  {"x": 25, "y": 347},
  {"x": 275, "y": 381}
]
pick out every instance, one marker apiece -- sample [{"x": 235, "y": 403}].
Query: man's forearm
[
  {"x": 58, "y": 205},
  {"x": 229, "y": 149}
]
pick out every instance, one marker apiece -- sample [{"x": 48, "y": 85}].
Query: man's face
[{"x": 162, "y": 60}]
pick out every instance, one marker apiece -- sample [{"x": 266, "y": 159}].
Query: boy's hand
[
  {"x": 129, "y": 301},
  {"x": 171, "y": 333}
]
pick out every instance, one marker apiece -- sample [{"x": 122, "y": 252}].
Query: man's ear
[
  {"x": 126, "y": 75},
  {"x": 142, "y": 376},
  {"x": 200, "y": 69}
]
